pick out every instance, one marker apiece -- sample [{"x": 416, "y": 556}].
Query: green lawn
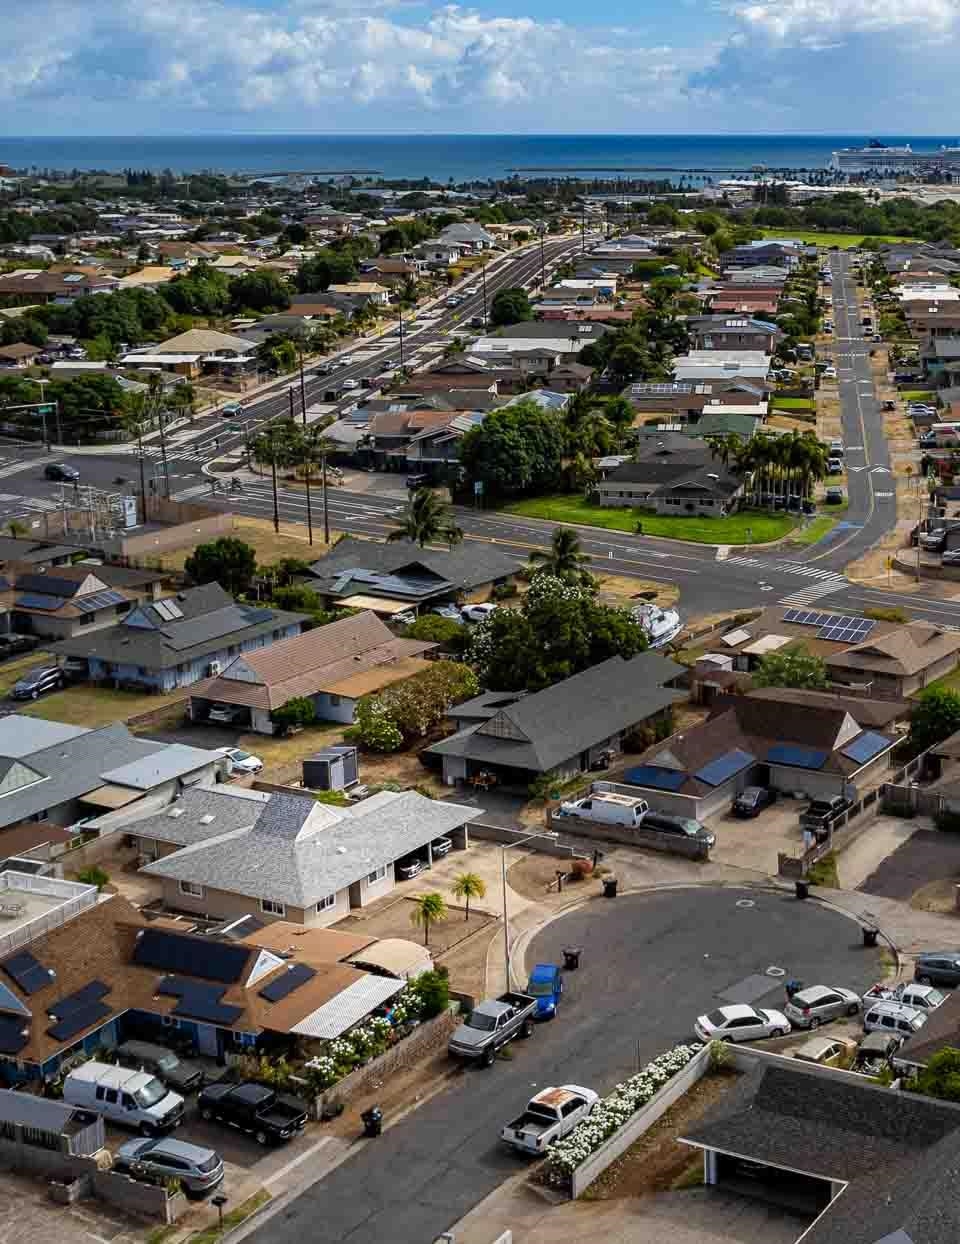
[
  {"x": 793, "y": 403},
  {"x": 917, "y": 395},
  {"x": 949, "y": 682},
  {"x": 747, "y": 527},
  {"x": 821, "y": 526},
  {"x": 816, "y": 238}
]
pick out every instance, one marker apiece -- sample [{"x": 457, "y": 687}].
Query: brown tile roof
[
  {"x": 400, "y": 422},
  {"x": 312, "y": 946},
  {"x": 905, "y": 651},
  {"x": 875, "y": 714},
  {"x": 364, "y": 682},
  {"x": 19, "y": 350},
  {"x": 21, "y": 838}
]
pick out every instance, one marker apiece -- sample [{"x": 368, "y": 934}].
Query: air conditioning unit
[
  {"x": 214, "y": 668},
  {"x": 336, "y": 768}
]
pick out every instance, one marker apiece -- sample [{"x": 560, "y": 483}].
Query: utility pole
[
  {"x": 401, "y": 337},
  {"x": 290, "y": 396},
  {"x": 583, "y": 230},
  {"x": 323, "y": 489},
  {"x": 163, "y": 454},
  {"x": 143, "y": 482},
  {"x": 276, "y": 502},
  {"x": 483, "y": 276},
  {"x": 543, "y": 265},
  {"x": 303, "y": 390}
]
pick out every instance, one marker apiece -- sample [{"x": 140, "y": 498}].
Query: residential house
[
  {"x": 940, "y": 1032},
  {"x": 435, "y": 253},
  {"x": 39, "y": 286},
  {"x": 20, "y": 355},
  {"x": 899, "y": 663},
  {"x": 177, "y": 641},
  {"x": 65, "y": 601},
  {"x": 468, "y": 236},
  {"x": 702, "y": 366},
  {"x": 150, "y": 277},
  {"x": 196, "y": 351},
  {"x": 719, "y": 419},
  {"x": 562, "y": 730},
  {"x": 366, "y": 291},
  {"x": 545, "y": 341},
  {"x": 824, "y": 635},
  {"x": 395, "y": 577},
  {"x": 940, "y": 358},
  {"x": 870, "y": 1166},
  {"x": 818, "y": 750},
  {"x": 292, "y": 858},
  {"x": 332, "y": 666},
  {"x": 391, "y": 272},
  {"x": 424, "y": 439},
  {"x": 724, "y": 332},
  {"x": 771, "y": 252},
  {"x": 673, "y": 474},
  {"x": 746, "y": 302}
]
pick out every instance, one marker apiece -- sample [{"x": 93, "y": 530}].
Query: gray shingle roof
[
  {"x": 554, "y": 725},
  {"x": 298, "y": 851},
  {"x": 467, "y": 566},
  {"x": 201, "y": 813}
]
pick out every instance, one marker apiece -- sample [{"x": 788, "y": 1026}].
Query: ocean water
[{"x": 461, "y": 157}]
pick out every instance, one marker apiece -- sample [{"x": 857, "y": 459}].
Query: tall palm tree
[
  {"x": 426, "y": 520},
  {"x": 428, "y": 909},
  {"x": 593, "y": 435},
  {"x": 564, "y": 559},
  {"x": 310, "y": 447},
  {"x": 621, "y": 415},
  {"x": 275, "y": 446},
  {"x": 468, "y": 886}
]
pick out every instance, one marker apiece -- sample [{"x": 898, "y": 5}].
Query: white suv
[{"x": 895, "y": 1018}]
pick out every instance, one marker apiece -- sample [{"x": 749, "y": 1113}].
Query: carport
[{"x": 787, "y": 1187}]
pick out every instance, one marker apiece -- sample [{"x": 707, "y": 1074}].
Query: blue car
[{"x": 546, "y": 985}]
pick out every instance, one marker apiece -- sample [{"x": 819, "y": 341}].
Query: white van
[
  {"x": 609, "y": 809},
  {"x": 134, "y": 1099},
  {"x": 894, "y": 1017}
]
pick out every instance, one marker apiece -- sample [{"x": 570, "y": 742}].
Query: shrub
[
  {"x": 298, "y": 712},
  {"x": 94, "y": 875},
  {"x": 433, "y": 991}
]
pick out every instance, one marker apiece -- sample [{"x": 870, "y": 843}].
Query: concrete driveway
[
  {"x": 927, "y": 855},
  {"x": 756, "y": 843}
]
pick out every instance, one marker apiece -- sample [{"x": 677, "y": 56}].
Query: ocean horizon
[{"x": 440, "y": 157}]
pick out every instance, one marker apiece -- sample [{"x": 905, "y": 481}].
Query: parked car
[
  {"x": 950, "y": 557},
  {"x": 833, "y": 496},
  {"x": 130, "y": 1098},
  {"x": 752, "y": 800},
  {"x": 937, "y": 967},
  {"x": 440, "y": 847},
  {"x": 826, "y": 1051},
  {"x": 546, "y": 985},
  {"x": 16, "y": 645},
  {"x": 819, "y": 814},
  {"x": 875, "y": 1052},
  {"x": 684, "y": 826},
  {"x": 491, "y": 1025},
  {"x": 834, "y": 466},
  {"x": 894, "y": 1017},
  {"x": 409, "y": 866},
  {"x": 176, "y": 1073},
  {"x": 934, "y": 541},
  {"x": 268, "y": 1116},
  {"x": 198, "y": 1169},
  {"x": 836, "y": 449},
  {"x": 923, "y": 997},
  {"x": 241, "y": 761},
  {"x": 37, "y": 682},
  {"x": 350, "y": 384},
  {"x": 477, "y": 613},
  {"x": 817, "y": 1004},
  {"x": 419, "y": 480},
  {"x": 61, "y": 471},
  {"x": 552, "y": 1114},
  {"x": 225, "y": 714},
  {"x": 741, "y": 1023},
  {"x": 448, "y": 611}
]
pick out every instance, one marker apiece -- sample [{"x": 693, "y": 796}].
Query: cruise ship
[{"x": 877, "y": 157}]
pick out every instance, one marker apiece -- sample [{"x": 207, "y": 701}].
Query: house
[
  {"x": 175, "y": 642},
  {"x": 388, "y": 578},
  {"x": 549, "y": 339},
  {"x": 700, "y": 366},
  {"x": 940, "y": 1032},
  {"x": 53, "y": 775},
  {"x": 718, "y": 419},
  {"x": 195, "y": 351},
  {"x": 366, "y": 291},
  {"x": 19, "y": 355},
  {"x": 150, "y": 277},
  {"x": 673, "y": 474},
  {"x": 871, "y": 1165},
  {"x": 725, "y": 332},
  {"x": 562, "y": 730},
  {"x": 39, "y": 286},
  {"x": 436, "y": 253},
  {"x": 426, "y": 440},
  {"x": 468, "y": 236},
  {"x": 333, "y": 666},
  {"x": 824, "y": 635},
  {"x": 67, "y": 601},
  {"x": 898, "y": 663},
  {"x": 817, "y": 749},
  {"x": 941, "y": 360},
  {"x": 292, "y": 858}
]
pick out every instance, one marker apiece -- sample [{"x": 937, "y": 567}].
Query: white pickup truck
[{"x": 548, "y": 1117}]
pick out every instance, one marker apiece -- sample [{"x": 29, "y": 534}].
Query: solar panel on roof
[
  {"x": 724, "y": 767},
  {"x": 80, "y": 1000},
  {"x": 655, "y": 777},
  {"x": 12, "y": 1030},
  {"x": 26, "y": 971},
  {"x": 174, "y": 952},
  {"x": 34, "y": 600},
  {"x": 868, "y": 745},
  {"x": 99, "y": 600},
  {"x": 202, "y": 1002},
  {"x": 286, "y": 983},
  {"x": 796, "y": 757},
  {"x": 78, "y": 1020}
]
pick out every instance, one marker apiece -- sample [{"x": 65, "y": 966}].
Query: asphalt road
[{"x": 651, "y": 964}]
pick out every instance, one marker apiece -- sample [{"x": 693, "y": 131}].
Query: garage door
[{"x": 802, "y": 1193}]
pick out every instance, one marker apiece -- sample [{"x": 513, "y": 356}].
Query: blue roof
[
  {"x": 866, "y": 746},
  {"x": 796, "y": 757},
  {"x": 724, "y": 767},
  {"x": 655, "y": 777}
]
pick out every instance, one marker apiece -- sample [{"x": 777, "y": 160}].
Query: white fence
[
  {"x": 638, "y": 1124},
  {"x": 74, "y": 898}
]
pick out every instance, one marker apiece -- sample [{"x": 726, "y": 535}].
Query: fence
[
  {"x": 841, "y": 832},
  {"x": 75, "y": 898},
  {"x": 671, "y": 844},
  {"x": 911, "y": 801}
]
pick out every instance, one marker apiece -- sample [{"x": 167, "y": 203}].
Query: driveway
[
  {"x": 927, "y": 855},
  {"x": 652, "y": 963},
  {"x": 756, "y": 843}
]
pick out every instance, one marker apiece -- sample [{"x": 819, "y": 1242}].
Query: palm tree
[
  {"x": 17, "y": 529},
  {"x": 428, "y": 909},
  {"x": 309, "y": 447},
  {"x": 594, "y": 434},
  {"x": 426, "y": 521},
  {"x": 275, "y": 445},
  {"x": 621, "y": 415},
  {"x": 564, "y": 559},
  {"x": 468, "y": 886}
]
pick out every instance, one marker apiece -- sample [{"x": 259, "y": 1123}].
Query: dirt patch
[
  {"x": 391, "y": 917},
  {"x": 270, "y": 546},
  {"x": 938, "y": 896},
  {"x": 657, "y": 1162},
  {"x": 535, "y": 876},
  {"x": 621, "y": 591},
  {"x": 403, "y": 768}
]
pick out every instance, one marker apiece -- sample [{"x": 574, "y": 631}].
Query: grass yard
[
  {"x": 747, "y": 527},
  {"x": 917, "y": 395},
  {"x": 815, "y": 238},
  {"x": 949, "y": 682},
  {"x": 821, "y": 526},
  {"x": 12, "y": 671},
  {"x": 268, "y": 544},
  {"x": 89, "y": 705},
  {"x": 793, "y": 403}
]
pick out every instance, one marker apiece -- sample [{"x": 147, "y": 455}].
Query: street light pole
[
  {"x": 543, "y": 264},
  {"x": 503, "y": 880},
  {"x": 303, "y": 390},
  {"x": 483, "y": 277},
  {"x": 401, "y": 336},
  {"x": 323, "y": 493}
]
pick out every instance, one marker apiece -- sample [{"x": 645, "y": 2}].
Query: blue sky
[{"x": 627, "y": 66}]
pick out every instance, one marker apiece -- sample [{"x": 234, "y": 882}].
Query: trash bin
[
  {"x": 571, "y": 957},
  {"x": 803, "y": 889},
  {"x": 372, "y": 1120},
  {"x": 870, "y": 936},
  {"x": 609, "y": 887},
  {"x": 793, "y": 986}
]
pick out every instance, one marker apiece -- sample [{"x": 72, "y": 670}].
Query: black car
[
  {"x": 938, "y": 967},
  {"x": 680, "y": 825},
  {"x": 752, "y": 800},
  {"x": 61, "y": 471},
  {"x": 15, "y": 645},
  {"x": 37, "y": 681}
]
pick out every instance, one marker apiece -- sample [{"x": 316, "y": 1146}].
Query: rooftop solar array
[
  {"x": 796, "y": 757},
  {"x": 287, "y": 982},
  {"x": 78, "y": 1001},
  {"x": 655, "y": 777},
  {"x": 169, "y": 610},
  {"x": 26, "y": 971},
  {"x": 37, "y": 600},
  {"x": 199, "y": 1000},
  {"x": 14, "y": 1034},
  {"x": 99, "y": 600},
  {"x": 724, "y": 767},
  {"x": 866, "y": 747},
  {"x": 839, "y": 628},
  {"x": 77, "y": 1021},
  {"x": 174, "y": 952}
]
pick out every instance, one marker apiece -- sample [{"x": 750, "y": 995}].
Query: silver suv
[{"x": 199, "y": 1169}]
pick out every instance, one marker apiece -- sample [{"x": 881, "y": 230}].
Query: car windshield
[
  {"x": 935, "y": 997},
  {"x": 485, "y": 1023},
  {"x": 716, "y": 1019},
  {"x": 152, "y": 1092},
  {"x": 239, "y": 756},
  {"x": 540, "y": 989},
  {"x": 169, "y": 1062}
]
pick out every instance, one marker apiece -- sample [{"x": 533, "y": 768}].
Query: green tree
[
  {"x": 433, "y": 989},
  {"x": 436, "y": 630},
  {"x": 327, "y": 267},
  {"x": 510, "y": 306},
  {"x": 227, "y": 561},
  {"x": 428, "y": 909},
  {"x": 517, "y": 450},
  {"x": 264, "y": 290},
  {"x": 935, "y": 717},
  {"x": 417, "y": 704},
  {"x": 277, "y": 353},
  {"x": 425, "y": 521},
  {"x": 468, "y": 886},
  {"x": 941, "y": 1076},
  {"x": 621, "y": 416},
  {"x": 375, "y": 728},
  {"x": 296, "y": 713},
  {"x": 564, "y": 559},
  {"x": 793, "y": 667}
]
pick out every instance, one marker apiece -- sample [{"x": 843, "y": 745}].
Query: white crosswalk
[
  {"x": 822, "y": 582},
  {"x": 822, "y": 587}
]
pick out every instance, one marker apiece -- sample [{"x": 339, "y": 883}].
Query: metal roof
[
  {"x": 21, "y": 736},
  {"x": 32, "y": 1111},
  {"x": 175, "y": 760},
  {"x": 349, "y": 1006}
]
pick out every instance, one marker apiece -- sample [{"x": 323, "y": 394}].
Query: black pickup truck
[{"x": 270, "y": 1117}]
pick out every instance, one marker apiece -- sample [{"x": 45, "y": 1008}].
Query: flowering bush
[{"x": 610, "y": 1114}]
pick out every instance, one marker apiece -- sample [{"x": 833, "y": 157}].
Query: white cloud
[{"x": 813, "y": 21}]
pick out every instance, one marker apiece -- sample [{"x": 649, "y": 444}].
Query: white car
[
  {"x": 351, "y": 384},
  {"x": 447, "y": 611},
  {"x": 472, "y": 289},
  {"x": 829, "y": 373},
  {"x": 741, "y": 1023},
  {"x": 477, "y": 613},
  {"x": 241, "y": 761}
]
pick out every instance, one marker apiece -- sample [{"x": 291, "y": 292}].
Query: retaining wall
[
  {"x": 500, "y": 833},
  {"x": 133, "y": 1197},
  {"x": 671, "y": 844}
]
